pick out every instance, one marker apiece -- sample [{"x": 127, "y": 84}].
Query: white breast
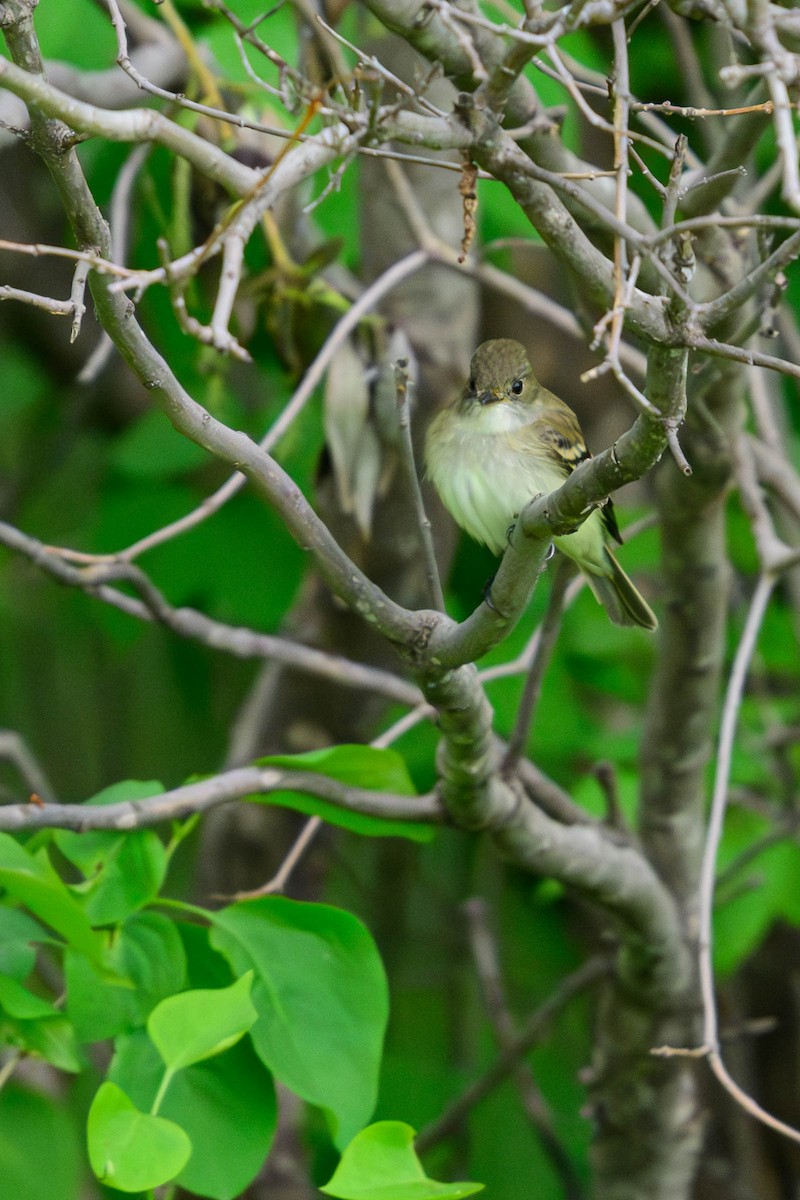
[{"x": 482, "y": 478}]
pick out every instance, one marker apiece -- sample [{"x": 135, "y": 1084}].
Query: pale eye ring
[{"x": 517, "y": 387}]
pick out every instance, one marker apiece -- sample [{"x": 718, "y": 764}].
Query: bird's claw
[
  {"x": 488, "y": 600},
  {"x": 487, "y": 596}
]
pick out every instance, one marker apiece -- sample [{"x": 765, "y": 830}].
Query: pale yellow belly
[{"x": 485, "y": 486}]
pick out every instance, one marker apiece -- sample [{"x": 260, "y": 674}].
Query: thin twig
[
  {"x": 98, "y": 579},
  {"x": 404, "y": 385},
  {"x": 220, "y": 336},
  {"x": 77, "y": 294},
  {"x": 606, "y": 775},
  {"x": 448, "y": 13},
  {"x": 371, "y": 297},
  {"x": 775, "y": 556},
  {"x": 371, "y": 60},
  {"x": 743, "y": 354},
  {"x": 56, "y": 308},
  {"x": 141, "y": 81},
  {"x": 487, "y": 965},
  {"x": 575, "y": 87},
  {"x": 292, "y": 860},
  {"x": 15, "y": 750},
  {"x": 119, "y": 221},
  {"x": 532, "y": 1031},
  {"x": 9, "y": 1067},
  {"x": 777, "y": 473},
  {"x": 539, "y": 662},
  {"x": 730, "y": 712},
  {"x": 675, "y": 447},
  {"x": 786, "y": 137}
]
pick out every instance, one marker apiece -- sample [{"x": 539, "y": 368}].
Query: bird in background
[{"x": 506, "y": 440}]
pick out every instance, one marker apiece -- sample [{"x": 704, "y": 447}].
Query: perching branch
[
  {"x": 101, "y": 579},
  {"x": 205, "y": 794}
]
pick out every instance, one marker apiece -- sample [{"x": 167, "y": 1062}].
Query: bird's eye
[{"x": 517, "y": 387}]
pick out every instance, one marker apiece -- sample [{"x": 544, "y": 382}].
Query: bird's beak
[{"x": 490, "y": 397}]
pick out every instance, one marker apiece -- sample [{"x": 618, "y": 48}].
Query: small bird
[{"x": 507, "y": 440}]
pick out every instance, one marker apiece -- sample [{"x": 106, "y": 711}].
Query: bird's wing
[{"x": 566, "y": 447}]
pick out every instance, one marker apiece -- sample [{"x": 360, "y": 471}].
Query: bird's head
[{"x": 500, "y": 373}]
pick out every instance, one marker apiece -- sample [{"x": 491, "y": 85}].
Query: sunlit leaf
[
  {"x": 196, "y": 1025},
  {"x": 363, "y": 766},
  {"x": 131, "y": 1150},
  {"x": 226, "y": 1105},
  {"x": 380, "y": 1164}
]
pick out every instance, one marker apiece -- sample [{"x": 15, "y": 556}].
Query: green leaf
[
  {"x": 380, "y": 1164},
  {"x": 50, "y": 1037},
  {"x": 130, "y": 877},
  {"x": 36, "y": 1026},
  {"x": 366, "y": 766},
  {"x": 17, "y": 932},
  {"x": 129, "y": 1149},
  {"x": 33, "y": 882},
  {"x": 124, "y": 870},
  {"x": 322, "y": 999},
  {"x": 226, "y": 1105},
  {"x": 362, "y": 766},
  {"x": 88, "y": 851},
  {"x": 196, "y": 1025},
  {"x": 18, "y": 1001},
  {"x": 147, "y": 955},
  {"x": 205, "y": 966}
]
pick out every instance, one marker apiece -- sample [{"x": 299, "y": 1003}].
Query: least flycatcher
[{"x": 508, "y": 439}]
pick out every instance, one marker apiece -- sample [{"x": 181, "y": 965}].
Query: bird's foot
[{"x": 513, "y": 524}]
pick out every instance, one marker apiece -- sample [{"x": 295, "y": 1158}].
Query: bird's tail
[{"x": 622, "y": 601}]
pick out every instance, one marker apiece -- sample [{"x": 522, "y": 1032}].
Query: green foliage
[
  {"x": 325, "y": 1041},
  {"x": 131, "y": 1150},
  {"x": 200, "y": 1024},
  {"x": 149, "y": 963},
  {"x": 364, "y": 766},
  {"x": 201, "y": 1017},
  {"x": 18, "y": 935},
  {"x": 31, "y": 880},
  {"x": 150, "y": 449},
  {"x": 123, "y": 871},
  {"x": 501, "y": 217},
  {"x": 226, "y": 1105},
  {"x": 380, "y": 1164}
]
